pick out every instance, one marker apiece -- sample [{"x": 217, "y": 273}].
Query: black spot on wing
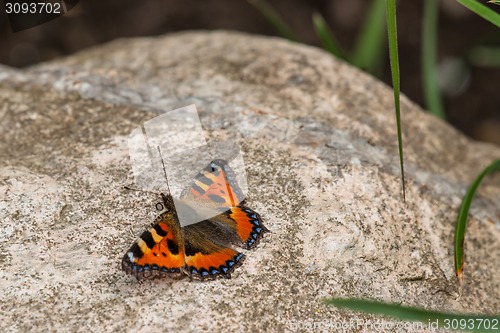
[
  {"x": 198, "y": 189},
  {"x": 204, "y": 180},
  {"x": 159, "y": 230},
  {"x": 217, "y": 198},
  {"x": 136, "y": 251},
  {"x": 189, "y": 250},
  {"x": 148, "y": 239},
  {"x": 173, "y": 247}
]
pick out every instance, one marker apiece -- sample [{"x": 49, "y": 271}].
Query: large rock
[{"x": 321, "y": 154}]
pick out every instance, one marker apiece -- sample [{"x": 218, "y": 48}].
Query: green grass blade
[
  {"x": 369, "y": 49},
  {"x": 429, "y": 52},
  {"x": 324, "y": 32},
  {"x": 462, "y": 219},
  {"x": 393, "y": 55},
  {"x": 466, "y": 322},
  {"x": 483, "y": 11},
  {"x": 496, "y": 2},
  {"x": 274, "y": 18}
]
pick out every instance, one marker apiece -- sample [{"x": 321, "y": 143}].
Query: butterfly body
[{"x": 200, "y": 250}]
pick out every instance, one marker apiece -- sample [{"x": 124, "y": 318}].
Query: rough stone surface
[{"x": 321, "y": 154}]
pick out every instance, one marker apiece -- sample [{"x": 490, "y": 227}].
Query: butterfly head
[{"x": 168, "y": 203}]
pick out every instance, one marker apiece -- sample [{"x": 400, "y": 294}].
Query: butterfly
[{"x": 201, "y": 250}]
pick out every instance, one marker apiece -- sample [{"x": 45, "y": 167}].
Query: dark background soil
[{"x": 472, "y": 99}]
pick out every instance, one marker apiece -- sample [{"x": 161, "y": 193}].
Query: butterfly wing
[
  {"x": 207, "y": 259},
  {"x": 159, "y": 251},
  {"x": 241, "y": 225},
  {"x": 215, "y": 186}
]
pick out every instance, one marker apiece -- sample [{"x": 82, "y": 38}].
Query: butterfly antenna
[
  {"x": 163, "y": 165},
  {"x": 167, "y": 199},
  {"x": 138, "y": 189}
]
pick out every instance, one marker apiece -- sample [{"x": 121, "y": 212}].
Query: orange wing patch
[
  {"x": 202, "y": 266},
  {"x": 157, "y": 252},
  {"x": 248, "y": 225}
]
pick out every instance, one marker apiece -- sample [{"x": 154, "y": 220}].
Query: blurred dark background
[{"x": 470, "y": 83}]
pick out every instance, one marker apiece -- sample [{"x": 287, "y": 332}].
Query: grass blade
[
  {"x": 324, "y": 32},
  {"x": 462, "y": 219},
  {"x": 275, "y": 19},
  {"x": 429, "y": 41},
  {"x": 483, "y": 11},
  {"x": 469, "y": 322},
  {"x": 369, "y": 47},
  {"x": 393, "y": 55}
]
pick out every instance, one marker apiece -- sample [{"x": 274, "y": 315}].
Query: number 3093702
[{"x": 33, "y": 8}]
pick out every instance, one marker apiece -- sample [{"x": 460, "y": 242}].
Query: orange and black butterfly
[{"x": 200, "y": 250}]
